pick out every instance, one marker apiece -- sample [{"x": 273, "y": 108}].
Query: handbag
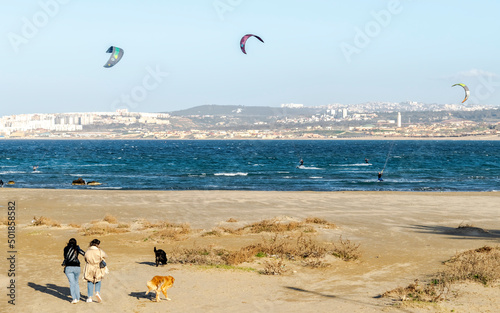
[{"x": 102, "y": 264}]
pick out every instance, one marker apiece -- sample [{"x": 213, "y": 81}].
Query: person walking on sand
[
  {"x": 72, "y": 268},
  {"x": 93, "y": 272}
]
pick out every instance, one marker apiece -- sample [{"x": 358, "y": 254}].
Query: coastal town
[{"x": 289, "y": 121}]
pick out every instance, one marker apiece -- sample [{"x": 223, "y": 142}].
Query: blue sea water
[{"x": 253, "y": 165}]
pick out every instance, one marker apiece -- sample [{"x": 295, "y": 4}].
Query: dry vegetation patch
[
  {"x": 319, "y": 221},
  {"x": 346, "y": 250},
  {"x": 108, "y": 225},
  {"x": 272, "y": 226},
  {"x": 481, "y": 265},
  {"x": 274, "y": 267},
  {"x": 199, "y": 256},
  {"x": 304, "y": 248},
  {"x": 470, "y": 230},
  {"x": 416, "y": 291},
  {"x": 165, "y": 230},
  {"x": 42, "y": 220},
  {"x": 110, "y": 219},
  {"x": 102, "y": 229}
]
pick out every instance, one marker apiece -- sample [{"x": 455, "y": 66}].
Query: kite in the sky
[
  {"x": 116, "y": 56},
  {"x": 244, "y": 39},
  {"x": 467, "y": 92}
]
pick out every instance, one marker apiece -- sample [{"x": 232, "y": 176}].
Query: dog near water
[
  {"x": 160, "y": 284},
  {"x": 160, "y": 257}
]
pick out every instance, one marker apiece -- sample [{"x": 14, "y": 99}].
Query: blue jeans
[
  {"x": 90, "y": 288},
  {"x": 73, "y": 272}
]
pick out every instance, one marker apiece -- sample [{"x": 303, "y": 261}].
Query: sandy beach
[{"x": 402, "y": 236}]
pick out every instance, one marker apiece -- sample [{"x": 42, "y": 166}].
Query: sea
[{"x": 329, "y": 165}]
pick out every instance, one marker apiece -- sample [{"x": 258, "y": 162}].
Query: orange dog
[{"x": 160, "y": 283}]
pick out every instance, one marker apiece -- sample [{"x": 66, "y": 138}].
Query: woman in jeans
[
  {"x": 72, "y": 268},
  {"x": 93, "y": 273}
]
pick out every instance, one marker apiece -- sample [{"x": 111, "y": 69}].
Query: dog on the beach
[
  {"x": 160, "y": 284},
  {"x": 160, "y": 257}
]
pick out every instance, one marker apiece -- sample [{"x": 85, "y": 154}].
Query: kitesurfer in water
[
  {"x": 380, "y": 176},
  {"x": 366, "y": 160},
  {"x": 35, "y": 168}
]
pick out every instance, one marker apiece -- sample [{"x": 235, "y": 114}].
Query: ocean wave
[
  {"x": 231, "y": 174},
  {"x": 197, "y": 175},
  {"x": 355, "y": 164},
  {"x": 92, "y": 165},
  {"x": 111, "y": 188},
  {"x": 302, "y": 167}
]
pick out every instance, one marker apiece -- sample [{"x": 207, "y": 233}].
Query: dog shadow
[
  {"x": 311, "y": 292},
  {"x": 142, "y": 295},
  {"x": 62, "y": 293},
  {"x": 147, "y": 263}
]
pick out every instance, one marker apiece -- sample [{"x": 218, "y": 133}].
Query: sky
[{"x": 181, "y": 54}]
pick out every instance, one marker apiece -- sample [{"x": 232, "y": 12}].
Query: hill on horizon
[{"x": 240, "y": 110}]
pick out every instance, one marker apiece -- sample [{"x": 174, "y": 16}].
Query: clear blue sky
[{"x": 415, "y": 51}]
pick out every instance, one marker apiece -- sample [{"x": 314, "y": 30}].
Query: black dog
[{"x": 160, "y": 257}]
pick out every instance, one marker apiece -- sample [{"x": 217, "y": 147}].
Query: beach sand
[{"x": 403, "y": 236}]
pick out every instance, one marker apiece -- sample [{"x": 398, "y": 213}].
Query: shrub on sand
[
  {"x": 285, "y": 247},
  {"x": 274, "y": 267},
  {"x": 418, "y": 292},
  {"x": 214, "y": 232},
  {"x": 199, "y": 256},
  {"x": 319, "y": 221},
  {"x": 314, "y": 263},
  {"x": 172, "y": 232},
  {"x": 346, "y": 250},
  {"x": 42, "y": 220},
  {"x": 160, "y": 224},
  {"x": 245, "y": 254},
  {"x": 110, "y": 219},
  {"x": 271, "y": 226},
  {"x": 102, "y": 229},
  {"x": 480, "y": 265}
]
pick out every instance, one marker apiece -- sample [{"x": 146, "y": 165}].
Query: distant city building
[
  {"x": 344, "y": 113},
  {"x": 292, "y": 105},
  {"x": 399, "y": 119}
]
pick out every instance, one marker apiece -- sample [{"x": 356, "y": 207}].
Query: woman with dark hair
[
  {"x": 72, "y": 268},
  {"x": 93, "y": 272}
]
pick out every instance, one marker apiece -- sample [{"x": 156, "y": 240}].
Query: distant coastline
[{"x": 461, "y": 138}]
